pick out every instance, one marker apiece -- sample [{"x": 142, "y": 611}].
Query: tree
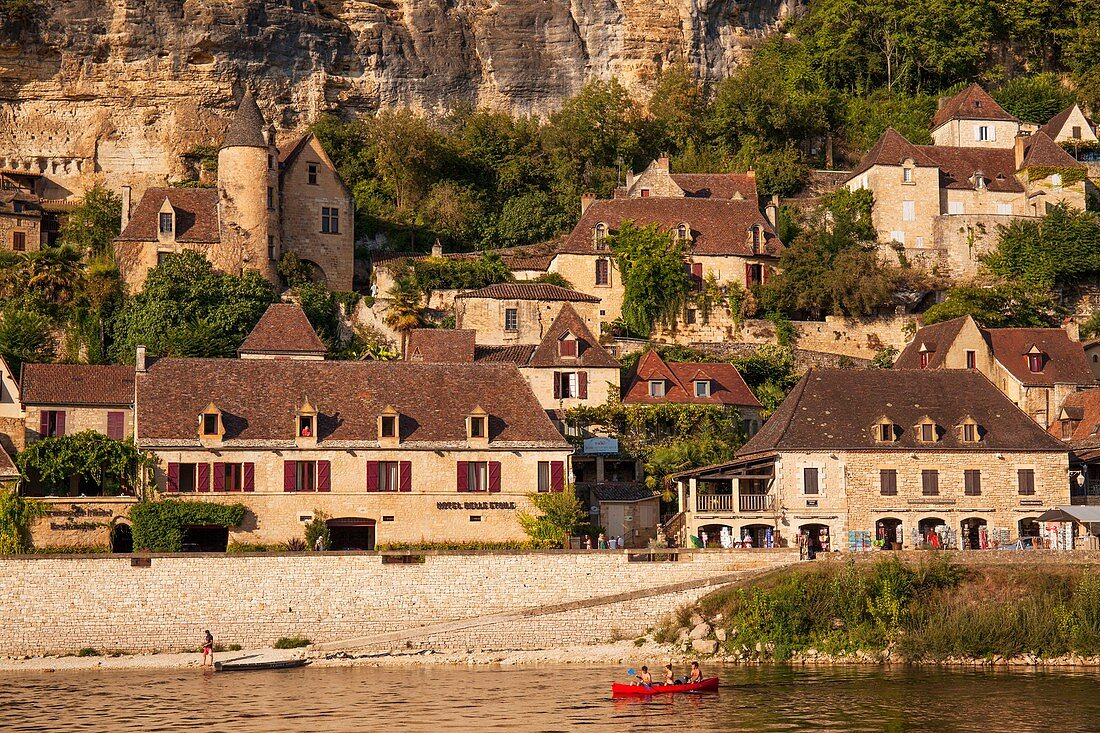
[
  {"x": 654, "y": 282},
  {"x": 293, "y": 270},
  {"x": 560, "y": 513},
  {"x": 999, "y": 305},
  {"x": 91, "y": 226},
  {"x": 25, "y": 337},
  {"x": 1062, "y": 247},
  {"x": 676, "y": 105},
  {"x": 405, "y": 311},
  {"x": 323, "y": 312},
  {"x": 54, "y": 273},
  {"x": 1034, "y": 98}
]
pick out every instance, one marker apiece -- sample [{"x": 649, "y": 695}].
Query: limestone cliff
[{"x": 120, "y": 87}]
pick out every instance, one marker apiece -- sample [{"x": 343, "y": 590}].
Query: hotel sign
[
  {"x": 475, "y": 505},
  {"x": 601, "y": 445}
]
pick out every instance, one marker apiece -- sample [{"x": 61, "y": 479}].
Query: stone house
[
  {"x": 12, "y": 435},
  {"x": 1077, "y": 423},
  {"x": 1036, "y": 368},
  {"x": 897, "y": 455},
  {"x": 1071, "y": 126},
  {"x": 942, "y": 204},
  {"x": 653, "y": 381},
  {"x": 267, "y": 201},
  {"x": 20, "y": 222},
  {"x": 521, "y": 312}
]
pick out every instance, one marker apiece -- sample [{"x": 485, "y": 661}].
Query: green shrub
[
  {"x": 292, "y": 642},
  {"x": 318, "y": 527},
  {"x": 16, "y": 515},
  {"x": 158, "y": 526},
  {"x": 241, "y": 547},
  {"x": 88, "y": 652}
]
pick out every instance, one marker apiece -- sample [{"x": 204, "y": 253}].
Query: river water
[{"x": 547, "y": 699}]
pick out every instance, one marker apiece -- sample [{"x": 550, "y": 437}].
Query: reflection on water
[{"x": 443, "y": 698}]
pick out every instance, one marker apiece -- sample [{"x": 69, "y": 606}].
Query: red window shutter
[
  {"x": 173, "y": 477},
  {"x": 748, "y": 274},
  {"x": 372, "y": 475},
  {"x": 324, "y": 476},
  {"x": 557, "y": 475},
  {"x": 116, "y": 425},
  {"x": 494, "y": 477},
  {"x": 463, "y": 478},
  {"x": 406, "y": 476},
  {"x": 697, "y": 274},
  {"x": 290, "y": 475},
  {"x": 44, "y": 423},
  {"x": 219, "y": 476},
  {"x": 582, "y": 385},
  {"x": 202, "y": 476},
  {"x": 60, "y": 423},
  {"x": 249, "y": 479},
  {"x": 557, "y": 385}
]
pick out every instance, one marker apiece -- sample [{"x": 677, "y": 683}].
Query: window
[
  {"x": 389, "y": 476},
  {"x": 888, "y": 482},
  {"x": 898, "y": 236},
  {"x": 568, "y": 384},
  {"x": 656, "y": 388},
  {"x": 702, "y": 388},
  {"x": 1004, "y": 209},
  {"x": 271, "y": 248},
  {"x": 984, "y": 133},
  {"x": 906, "y": 175},
  {"x": 886, "y": 432},
  {"x": 330, "y": 220},
  {"x": 567, "y": 346},
  {"x": 972, "y": 482},
  {"x": 52, "y": 423},
  {"x": 920, "y": 242},
  {"x": 1076, "y": 133},
  {"x": 270, "y": 197},
  {"x": 979, "y": 181},
  {"x": 809, "y": 480},
  {"x": 645, "y": 193},
  {"x": 1056, "y": 180},
  {"x": 1067, "y": 429},
  {"x": 599, "y": 234},
  {"x": 924, "y": 360},
  {"x": 755, "y": 275},
  {"x": 161, "y": 257},
  {"x": 603, "y": 272},
  {"x": 477, "y": 426},
  {"x": 227, "y": 477},
  {"x": 1035, "y": 363},
  {"x": 909, "y": 210},
  {"x": 116, "y": 425},
  {"x": 1025, "y": 479},
  {"x": 210, "y": 424},
  {"x": 389, "y": 426},
  {"x": 971, "y": 359},
  {"x": 927, "y": 432},
  {"x": 970, "y": 433},
  {"x": 544, "y": 476},
  {"x": 930, "y": 482},
  {"x": 305, "y": 426},
  {"x": 305, "y": 473},
  {"x": 311, "y": 174},
  {"x": 690, "y": 317},
  {"x": 166, "y": 222},
  {"x": 955, "y": 207},
  {"x": 511, "y": 319},
  {"x": 17, "y": 206},
  {"x": 19, "y": 241},
  {"x": 757, "y": 237},
  {"x": 271, "y": 162},
  {"x": 187, "y": 478},
  {"x": 477, "y": 476},
  {"x": 682, "y": 232}
]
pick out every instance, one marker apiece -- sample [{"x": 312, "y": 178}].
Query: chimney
[
  {"x": 662, "y": 162},
  {"x": 437, "y": 249},
  {"x": 586, "y": 200},
  {"x": 771, "y": 210},
  {"x": 1021, "y": 149},
  {"x": 1072, "y": 329},
  {"x": 139, "y": 361},
  {"x": 125, "y": 206}
]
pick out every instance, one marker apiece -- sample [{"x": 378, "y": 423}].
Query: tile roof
[
  {"x": 196, "y": 215},
  {"x": 518, "y": 355},
  {"x": 246, "y": 129},
  {"x": 524, "y": 257},
  {"x": 7, "y": 465},
  {"x": 935, "y": 340},
  {"x": 821, "y": 414},
  {"x": 972, "y": 103},
  {"x": 958, "y": 166},
  {"x": 589, "y": 351},
  {"x": 441, "y": 345},
  {"x": 259, "y": 399},
  {"x": 1066, "y": 362},
  {"x": 77, "y": 384},
  {"x": 1055, "y": 124},
  {"x": 892, "y": 148},
  {"x": 1083, "y": 407},
  {"x": 1043, "y": 151},
  {"x": 727, "y": 387},
  {"x": 718, "y": 227},
  {"x": 283, "y": 329},
  {"x": 717, "y": 185},
  {"x": 529, "y": 291},
  {"x": 615, "y": 492}
]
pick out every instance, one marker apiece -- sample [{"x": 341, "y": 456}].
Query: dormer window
[
  {"x": 970, "y": 431},
  {"x": 928, "y": 431},
  {"x": 599, "y": 236},
  {"x": 907, "y": 175},
  {"x": 167, "y": 222},
  {"x": 979, "y": 180},
  {"x": 211, "y": 423},
  {"x": 567, "y": 346},
  {"x": 477, "y": 425},
  {"x": 389, "y": 427},
  {"x": 656, "y": 388},
  {"x": 924, "y": 360},
  {"x": 1036, "y": 360},
  {"x": 702, "y": 388},
  {"x": 757, "y": 235},
  {"x": 885, "y": 431},
  {"x": 306, "y": 426},
  {"x": 683, "y": 232}
]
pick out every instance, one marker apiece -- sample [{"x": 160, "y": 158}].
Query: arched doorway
[
  {"x": 716, "y": 535},
  {"x": 351, "y": 533},
  {"x": 817, "y": 537},
  {"x": 1028, "y": 527},
  {"x": 122, "y": 539},
  {"x": 758, "y": 535},
  {"x": 933, "y": 531},
  {"x": 974, "y": 534},
  {"x": 889, "y": 530}
]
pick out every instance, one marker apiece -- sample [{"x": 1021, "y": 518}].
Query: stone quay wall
[{"x": 147, "y": 603}]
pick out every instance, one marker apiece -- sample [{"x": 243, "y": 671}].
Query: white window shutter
[
  {"x": 992, "y": 133},
  {"x": 977, "y": 132}
]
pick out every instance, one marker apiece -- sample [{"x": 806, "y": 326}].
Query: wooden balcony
[{"x": 747, "y": 503}]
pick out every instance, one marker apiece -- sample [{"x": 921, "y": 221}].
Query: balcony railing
[{"x": 724, "y": 503}]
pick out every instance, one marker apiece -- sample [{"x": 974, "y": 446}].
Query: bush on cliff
[{"x": 158, "y": 526}]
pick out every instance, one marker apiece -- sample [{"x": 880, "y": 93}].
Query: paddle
[{"x": 633, "y": 675}]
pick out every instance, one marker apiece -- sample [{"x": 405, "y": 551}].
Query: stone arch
[
  {"x": 819, "y": 536},
  {"x": 758, "y": 533},
  {"x": 714, "y": 533},
  {"x": 122, "y": 536},
  {"x": 971, "y": 536},
  {"x": 930, "y": 531},
  {"x": 891, "y": 530}
]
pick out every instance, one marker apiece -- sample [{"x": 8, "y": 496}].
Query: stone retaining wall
[{"x": 111, "y": 603}]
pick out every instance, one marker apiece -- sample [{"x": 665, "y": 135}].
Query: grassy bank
[{"x": 925, "y": 611}]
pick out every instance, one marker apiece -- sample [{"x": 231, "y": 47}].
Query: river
[{"x": 517, "y": 699}]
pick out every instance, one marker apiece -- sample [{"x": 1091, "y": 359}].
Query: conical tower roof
[{"x": 247, "y": 128}]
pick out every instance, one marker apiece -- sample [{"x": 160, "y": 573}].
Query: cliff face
[{"x": 122, "y": 86}]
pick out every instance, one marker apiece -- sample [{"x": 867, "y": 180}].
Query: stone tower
[{"x": 248, "y": 194}]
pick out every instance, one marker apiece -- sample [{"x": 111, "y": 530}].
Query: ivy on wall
[
  {"x": 158, "y": 526},
  {"x": 16, "y": 515},
  {"x": 1070, "y": 176}
]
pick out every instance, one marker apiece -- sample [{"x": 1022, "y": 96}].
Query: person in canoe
[
  {"x": 645, "y": 678},
  {"x": 670, "y": 678},
  {"x": 696, "y": 674}
]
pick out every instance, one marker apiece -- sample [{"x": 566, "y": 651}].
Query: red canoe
[{"x": 710, "y": 683}]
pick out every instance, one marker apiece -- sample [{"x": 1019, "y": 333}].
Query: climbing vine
[
  {"x": 1070, "y": 176},
  {"x": 111, "y": 464},
  {"x": 655, "y": 285},
  {"x": 16, "y": 515},
  {"x": 158, "y": 526}
]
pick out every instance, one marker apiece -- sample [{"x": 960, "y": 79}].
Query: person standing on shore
[{"x": 208, "y": 648}]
